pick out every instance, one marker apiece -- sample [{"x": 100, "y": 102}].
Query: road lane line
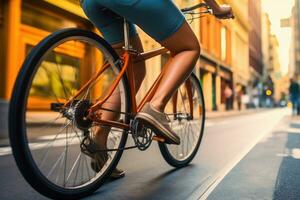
[
  {"x": 44, "y": 141},
  {"x": 203, "y": 192}
]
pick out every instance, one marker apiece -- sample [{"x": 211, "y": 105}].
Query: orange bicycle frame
[{"x": 128, "y": 58}]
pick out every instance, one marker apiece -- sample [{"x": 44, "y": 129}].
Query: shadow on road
[
  {"x": 155, "y": 188},
  {"x": 288, "y": 179}
]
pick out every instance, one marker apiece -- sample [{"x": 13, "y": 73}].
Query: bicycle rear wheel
[
  {"x": 186, "y": 111},
  {"x": 45, "y": 136}
]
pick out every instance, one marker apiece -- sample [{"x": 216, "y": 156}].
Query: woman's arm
[{"x": 223, "y": 11}]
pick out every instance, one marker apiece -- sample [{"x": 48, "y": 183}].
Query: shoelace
[{"x": 167, "y": 117}]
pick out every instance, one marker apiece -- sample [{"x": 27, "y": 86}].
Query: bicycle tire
[
  {"x": 17, "y": 129},
  {"x": 169, "y": 158}
]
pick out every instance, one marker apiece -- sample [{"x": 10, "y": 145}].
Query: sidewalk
[
  {"x": 219, "y": 114},
  {"x": 270, "y": 170}
]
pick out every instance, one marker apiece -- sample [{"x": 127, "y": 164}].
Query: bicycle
[{"x": 56, "y": 167}]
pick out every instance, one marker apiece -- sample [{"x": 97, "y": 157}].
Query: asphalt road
[
  {"x": 148, "y": 176},
  {"x": 270, "y": 170}
]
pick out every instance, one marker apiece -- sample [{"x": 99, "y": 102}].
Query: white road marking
[
  {"x": 294, "y": 130},
  {"x": 294, "y": 153},
  {"x": 60, "y": 141},
  {"x": 4, "y": 151}
]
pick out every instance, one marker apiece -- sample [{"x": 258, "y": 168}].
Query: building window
[
  {"x": 242, "y": 61},
  {"x": 55, "y": 68},
  {"x": 44, "y": 20},
  {"x": 223, "y": 43},
  {"x": 204, "y": 32}
]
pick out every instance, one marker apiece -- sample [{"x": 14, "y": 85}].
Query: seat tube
[{"x": 126, "y": 36}]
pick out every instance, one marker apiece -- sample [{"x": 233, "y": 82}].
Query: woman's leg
[
  {"x": 101, "y": 133},
  {"x": 138, "y": 68},
  {"x": 111, "y": 26},
  {"x": 185, "y": 51}
]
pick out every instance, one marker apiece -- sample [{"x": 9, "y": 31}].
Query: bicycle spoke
[
  {"x": 55, "y": 164},
  {"x": 50, "y": 90},
  {"x": 48, "y": 125},
  {"x": 51, "y": 143},
  {"x": 54, "y": 140},
  {"x": 60, "y": 167},
  {"x": 73, "y": 167},
  {"x": 87, "y": 167},
  {"x": 77, "y": 169},
  {"x": 62, "y": 156},
  {"x": 182, "y": 100},
  {"x": 188, "y": 129},
  {"x": 66, "y": 157},
  {"x": 61, "y": 80}
]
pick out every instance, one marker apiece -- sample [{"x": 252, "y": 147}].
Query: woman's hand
[{"x": 223, "y": 12}]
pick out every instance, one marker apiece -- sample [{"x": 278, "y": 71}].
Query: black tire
[
  {"x": 17, "y": 124},
  {"x": 169, "y": 158}
]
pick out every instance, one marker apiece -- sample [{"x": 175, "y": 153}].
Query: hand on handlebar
[{"x": 224, "y": 12}]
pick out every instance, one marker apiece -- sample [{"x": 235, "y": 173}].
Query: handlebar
[
  {"x": 200, "y": 5},
  {"x": 208, "y": 10}
]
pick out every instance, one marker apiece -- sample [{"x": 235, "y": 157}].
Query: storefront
[
  {"x": 214, "y": 75},
  {"x": 26, "y": 24}
]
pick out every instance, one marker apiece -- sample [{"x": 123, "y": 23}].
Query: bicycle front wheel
[
  {"x": 186, "y": 111},
  {"x": 45, "y": 134}
]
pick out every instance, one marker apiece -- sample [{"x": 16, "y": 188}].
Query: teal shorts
[{"x": 158, "y": 18}]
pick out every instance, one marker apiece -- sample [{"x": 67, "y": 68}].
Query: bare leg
[
  {"x": 101, "y": 133},
  {"x": 185, "y": 51}
]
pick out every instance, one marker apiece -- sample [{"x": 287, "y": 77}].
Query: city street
[
  {"x": 248, "y": 156},
  {"x": 72, "y": 72}
]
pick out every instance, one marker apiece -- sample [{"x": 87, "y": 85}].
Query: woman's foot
[
  {"x": 99, "y": 158},
  {"x": 158, "y": 122},
  {"x": 99, "y": 161}
]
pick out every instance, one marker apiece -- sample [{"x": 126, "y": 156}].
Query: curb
[
  {"x": 4, "y": 105},
  {"x": 217, "y": 114}
]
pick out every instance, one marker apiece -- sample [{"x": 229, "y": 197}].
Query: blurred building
[
  {"x": 294, "y": 68},
  {"x": 23, "y": 23},
  {"x": 255, "y": 46},
  {"x": 294, "y": 23},
  {"x": 216, "y": 60},
  {"x": 240, "y": 47},
  {"x": 225, "y": 43},
  {"x": 255, "y": 53},
  {"x": 225, "y": 53},
  {"x": 273, "y": 79},
  {"x": 269, "y": 50},
  {"x": 275, "y": 74},
  {"x": 266, "y": 45}
]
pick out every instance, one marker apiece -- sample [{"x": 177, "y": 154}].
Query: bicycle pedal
[{"x": 158, "y": 139}]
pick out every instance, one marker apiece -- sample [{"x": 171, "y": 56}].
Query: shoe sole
[
  {"x": 113, "y": 175},
  {"x": 117, "y": 176},
  {"x": 156, "y": 126}
]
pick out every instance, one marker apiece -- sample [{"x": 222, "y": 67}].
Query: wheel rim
[
  {"x": 188, "y": 130},
  {"x": 54, "y": 138}
]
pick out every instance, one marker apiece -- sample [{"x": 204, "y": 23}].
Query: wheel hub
[{"x": 80, "y": 115}]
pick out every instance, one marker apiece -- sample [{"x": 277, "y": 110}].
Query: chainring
[{"x": 142, "y": 136}]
